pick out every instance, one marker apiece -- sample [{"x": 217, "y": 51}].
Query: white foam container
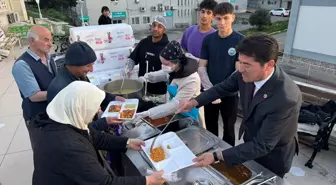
[
  {"x": 123, "y": 104},
  {"x": 179, "y": 156},
  {"x": 111, "y": 59},
  {"x": 104, "y": 36}
]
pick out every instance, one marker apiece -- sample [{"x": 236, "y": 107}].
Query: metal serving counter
[{"x": 199, "y": 141}]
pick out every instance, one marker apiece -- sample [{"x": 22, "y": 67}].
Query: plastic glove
[
  {"x": 128, "y": 67},
  {"x": 218, "y": 101},
  {"x": 142, "y": 115},
  {"x": 142, "y": 79},
  {"x": 157, "y": 76},
  {"x": 202, "y": 71},
  {"x": 189, "y": 55}
]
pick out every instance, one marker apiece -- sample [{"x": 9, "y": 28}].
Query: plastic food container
[
  {"x": 177, "y": 154},
  {"x": 118, "y": 109}
]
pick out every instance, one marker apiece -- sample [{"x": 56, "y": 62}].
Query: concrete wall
[
  {"x": 313, "y": 41},
  {"x": 18, "y": 6}
]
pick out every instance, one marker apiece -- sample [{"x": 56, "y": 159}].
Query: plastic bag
[{"x": 169, "y": 177}]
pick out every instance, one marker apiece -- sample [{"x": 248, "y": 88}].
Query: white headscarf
[{"x": 76, "y": 104}]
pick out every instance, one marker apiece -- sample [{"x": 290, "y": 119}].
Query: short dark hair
[
  {"x": 224, "y": 8},
  {"x": 105, "y": 8},
  {"x": 208, "y": 4},
  {"x": 261, "y": 47}
]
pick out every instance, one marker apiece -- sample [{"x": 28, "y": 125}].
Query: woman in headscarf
[
  {"x": 183, "y": 79},
  {"x": 65, "y": 152}
]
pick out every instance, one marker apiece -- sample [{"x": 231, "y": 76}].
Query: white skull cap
[{"x": 161, "y": 20}]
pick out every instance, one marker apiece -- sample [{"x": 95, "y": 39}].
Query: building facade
[
  {"x": 140, "y": 13},
  {"x": 12, "y": 11},
  {"x": 313, "y": 42},
  {"x": 269, "y": 4},
  {"x": 309, "y": 51}
]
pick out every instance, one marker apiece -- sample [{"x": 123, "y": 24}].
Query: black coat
[
  {"x": 270, "y": 120},
  {"x": 65, "y": 155},
  {"x": 139, "y": 55},
  {"x": 104, "y": 20}
]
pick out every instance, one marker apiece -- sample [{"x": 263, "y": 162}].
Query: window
[
  {"x": 135, "y": 20},
  {"x": 185, "y": 12},
  {"x": 116, "y": 21},
  {"x": 181, "y": 2},
  {"x": 185, "y": 2},
  {"x": 145, "y": 20},
  {"x": 178, "y": 13},
  {"x": 188, "y": 2},
  {"x": 178, "y": 2},
  {"x": 188, "y": 12}
]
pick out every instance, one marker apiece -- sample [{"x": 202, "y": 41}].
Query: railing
[{"x": 317, "y": 80}]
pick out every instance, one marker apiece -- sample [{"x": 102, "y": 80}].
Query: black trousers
[
  {"x": 31, "y": 130},
  {"x": 228, "y": 109}
]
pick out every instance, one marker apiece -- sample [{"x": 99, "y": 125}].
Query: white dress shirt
[{"x": 260, "y": 83}]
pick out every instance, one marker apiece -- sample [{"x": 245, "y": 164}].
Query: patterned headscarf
[{"x": 173, "y": 52}]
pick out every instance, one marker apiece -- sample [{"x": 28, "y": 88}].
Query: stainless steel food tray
[
  {"x": 197, "y": 139},
  {"x": 140, "y": 130},
  {"x": 191, "y": 174}
]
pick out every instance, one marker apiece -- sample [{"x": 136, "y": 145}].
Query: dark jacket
[
  {"x": 270, "y": 120},
  {"x": 65, "y": 155},
  {"x": 187, "y": 67},
  {"x": 139, "y": 56},
  {"x": 63, "y": 79},
  {"x": 104, "y": 20}
]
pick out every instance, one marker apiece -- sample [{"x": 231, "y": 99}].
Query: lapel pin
[{"x": 265, "y": 96}]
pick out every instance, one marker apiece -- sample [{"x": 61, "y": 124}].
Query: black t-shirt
[
  {"x": 221, "y": 55},
  {"x": 104, "y": 20},
  {"x": 148, "y": 50}
]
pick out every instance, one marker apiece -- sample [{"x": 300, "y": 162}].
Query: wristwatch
[
  {"x": 215, "y": 156},
  {"x": 128, "y": 142}
]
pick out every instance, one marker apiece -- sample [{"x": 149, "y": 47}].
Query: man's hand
[
  {"x": 186, "y": 105},
  {"x": 204, "y": 160},
  {"x": 113, "y": 121},
  {"x": 136, "y": 144},
  {"x": 155, "y": 178},
  {"x": 218, "y": 101},
  {"x": 119, "y": 98}
]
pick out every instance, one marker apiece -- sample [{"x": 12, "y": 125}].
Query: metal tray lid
[{"x": 197, "y": 139}]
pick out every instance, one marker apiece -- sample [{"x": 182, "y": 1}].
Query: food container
[
  {"x": 176, "y": 154},
  {"x": 120, "y": 109},
  {"x": 139, "y": 130},
  {"x": 131, "y": 88},
  {"x": 202, "y": 182},
  {"x": 198, "y": 139},
  {"x": 236, "y": 175}
]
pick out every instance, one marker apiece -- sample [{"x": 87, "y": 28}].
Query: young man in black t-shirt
[{"x": 218, "y": 59}]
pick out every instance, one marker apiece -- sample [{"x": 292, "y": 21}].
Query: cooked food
[
  {"x": 157, "y": 154},
  {"x": 127, "y": 114},
  {"x": 237, "y": 174},
  {"x": 114, "y": 108},
  {"x": 124, "y": 91},
  {"x": 130, "y": 106},
  {"x": 168, "y": 147},
  {"x": 158, "y": 122}
]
